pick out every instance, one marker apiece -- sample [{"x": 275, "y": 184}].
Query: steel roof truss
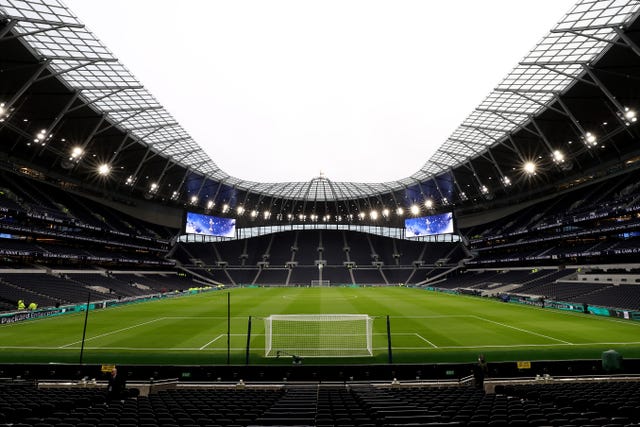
[
  {"x": 455, "y": 182},
  {"x": 93, "y": 133},
  {"x": 27, "y": 85},
  {"x": 435, "y": 183},
  {"x": 496, "y": 165},
  {"x": 627, "y": 41},
  {"x": 146, "y": 126},
  {"x": 591, "y": 36},
  {"x": 67, "y": 70},
  {"x": 488, "y": 128},
  {"x": 87, "y": 103},
  {"x": 43, "y": 21},
  {"x": 140, "y": 108},
  {"x": 164, "y": 170},
  {"x": 182, "y": 181},
  {"x": 514, "y": 112},
  {"x": 115, "y": 153},
  {"x": 547, "y": 67},
  {"x": 515, "y": 148},
  {"x": 454, "y": 156},
  {"x": 521, "y": 93},
  {"x": 569, "y": 114},
  {"x": 475, "y": 175},
  {"x": 80, "y": 58},
  {"x": 62, "y": 113},
  {"x": 471, "y": 145},
  {"x": 113, "y": 124},
  {"x": 542, "y": 135},
  {"x": 519, "y": 126},
  {"x": 108, "y": 87},
  {"x": 143, "y": 161},
  {"x": 204, "y": 181},
  {"x": 6, "y": 30},
  {"x": 604, "y": 90}
]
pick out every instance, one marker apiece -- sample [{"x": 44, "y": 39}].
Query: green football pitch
[{"x": 426, "y": 327}]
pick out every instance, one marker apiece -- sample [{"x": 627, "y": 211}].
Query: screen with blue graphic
[
  {"x": 429, "y": 225},
  {"x": 210, "y": 225}
]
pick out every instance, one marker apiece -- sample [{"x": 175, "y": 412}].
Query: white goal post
[
  {"x": 317, "y": 283},
  {"x": 318, "y": 335}
]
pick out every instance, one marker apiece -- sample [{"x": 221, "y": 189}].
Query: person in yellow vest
[
  {"x": 33, "y": 306},
  {"x": 21, "y": 305}
]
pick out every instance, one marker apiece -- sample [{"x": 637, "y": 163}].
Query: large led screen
[
  {"x": 429, "y": 225},
  {"x": 209, "y": 225}
]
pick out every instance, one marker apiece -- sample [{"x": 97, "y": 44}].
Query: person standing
[
  {"x": 116, "y": 386},
  {"x": 480, "y": 371}
]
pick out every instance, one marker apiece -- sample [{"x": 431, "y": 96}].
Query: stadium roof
[{"x": 475, "y": 161}]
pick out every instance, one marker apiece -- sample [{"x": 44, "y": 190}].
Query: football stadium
[{"x": 142, "y": 285}]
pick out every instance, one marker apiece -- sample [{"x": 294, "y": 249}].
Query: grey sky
[{"x": 281, "y": 90}]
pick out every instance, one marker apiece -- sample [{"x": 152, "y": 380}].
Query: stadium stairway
[{"x": 296, "y": 407}]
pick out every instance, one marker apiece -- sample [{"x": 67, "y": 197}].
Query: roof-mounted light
[
  {"x": 590, "y": 140},
  {"x": 76, "y": 153},
  {"x": 41, "y": 137},
  {"x": 529, "y": 168},
  {"x": 104, "y": 169},
  {"x": 558, "y": 156},
  {"x": 628, "y": 116}
]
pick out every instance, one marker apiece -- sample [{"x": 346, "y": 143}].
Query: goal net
[
  {"x": 318, "y": 335},
  {"x": 315, "y": 283}
]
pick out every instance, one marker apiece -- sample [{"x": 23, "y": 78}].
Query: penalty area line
[
  {"x": 113, "y": 332},
  {"x": 211, "y": 342},
  {"x": 523, "y": 330},
  {"x": 426, "y": 340}
]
